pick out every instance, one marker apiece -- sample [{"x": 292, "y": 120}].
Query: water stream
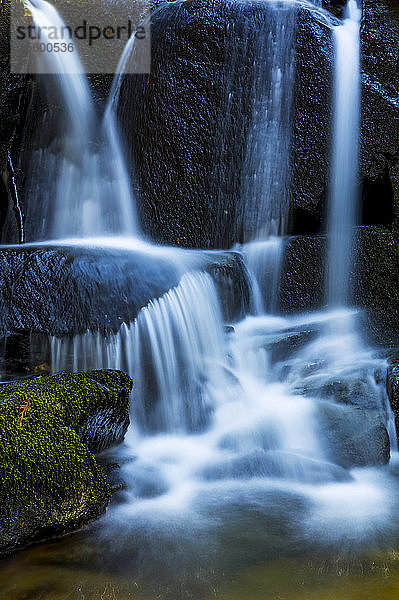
[{"x": 79, "y": 174}]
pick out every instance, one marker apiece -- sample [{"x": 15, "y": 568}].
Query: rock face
[
  {"x": 374, "y": 280},
  {"x": 68, "y": 290},
  {"x": 188, "y": 121},
  {"x": 51, "y": 483},
  {"x": 380, "y": 107},
  {"x": 12, "y": 88}
]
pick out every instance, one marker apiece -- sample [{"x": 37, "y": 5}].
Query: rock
[
  {"x": 231, "y": 278},
  {"x": 312, "y": 122},
  {"x": 276, "y": 464},
  {"x": 50, "y": 481},
  {"x": 94, "y": 404},
  {"x": 69, "y": 290},
  {"x": 380, "y": 104},
  {"x": 392, "y": 386},
  {"x": 336, "y": 7},
  {"x": 185, "y": 135},
  {"x": 353, "y": 437},
  {"x": 194, "y": 157},
  {"x": 13, "y": 88},
  {"x": 374, "y": 277}
]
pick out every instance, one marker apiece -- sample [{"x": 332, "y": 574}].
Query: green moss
[
  {"x": 48, "y": 476},
  {"x": 74, "y": 396},
  {"x": 42, "y": 459}
]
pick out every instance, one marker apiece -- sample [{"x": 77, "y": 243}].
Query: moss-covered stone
[{"x": 50, "y": 481}]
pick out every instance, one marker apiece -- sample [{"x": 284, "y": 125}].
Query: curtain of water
[{"x": 266, "y": 182}]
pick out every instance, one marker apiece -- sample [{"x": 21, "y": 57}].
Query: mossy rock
[
  {"x": 94, "y": 404},
  {"x": 50, "y": 480}
]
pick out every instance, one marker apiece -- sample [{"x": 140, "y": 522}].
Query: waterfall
[
  {"x": 263, "y": 259},
  {"x": 266, "y": 185},
  {"x": 234, "y": 426},
  {"x": 345, "y": 155},
  {"x": 91, "y": 193}
]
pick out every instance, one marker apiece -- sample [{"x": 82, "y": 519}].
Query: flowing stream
[{"x": 258, "y": 439}]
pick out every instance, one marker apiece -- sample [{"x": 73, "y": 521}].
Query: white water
[
  {"x": 264, "y": 259},
  {"x": 266, "y": 187},
  {"x": 344, "y": 176},
  {"x": 228, "y": 427},
  {"x": 217, "y": 413},
  {"x": 79, "y": 179}
]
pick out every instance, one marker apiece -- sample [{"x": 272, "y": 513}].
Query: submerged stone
[{"x": 353, "y": 437}]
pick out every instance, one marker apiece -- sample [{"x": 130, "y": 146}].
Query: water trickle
[
  {"x": 345, "y": 157},
  {"x": 263, "y": 259},
  {"x": 79, "y": 174},
  {"x": 266, "y": 185}
]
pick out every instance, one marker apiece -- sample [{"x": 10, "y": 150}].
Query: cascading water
[
  {"x": 344, "y": 176},
  {"x": 265, "y": 193},
  {"x": 239, "y": 437},
  {"x": 79, "y": 173}
]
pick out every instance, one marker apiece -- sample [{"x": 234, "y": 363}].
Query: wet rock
[
  {"x": 336, "y": 7},
  {"x": 392, "y": 386},
  {"x": 69, "y": 290},
  {"x": 284, "y": 345},
  {"x": 51, "y": 482},
  {"x": 353, "y": 437},
  {"x": 312, "y": 122},
  {"x": 352, "y": 387},
  {"x": 380, "y": 100},
  {"x": 276, "y": 464},
  {"x": 13, "y": 89},
  {"x": 374, "y": 276},
  {"x": 232, "y": 282},
  {"x": 94, "y": 404}
]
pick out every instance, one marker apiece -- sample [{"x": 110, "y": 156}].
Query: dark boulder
[
  {"x": 380, "y": 105},
  {"x": 51, "y": 482},
  {"x": 64, "y": 291},
  {"x": 312, "y": 122},
  {"x": 392, "y": 386},
  {"x": 188, "y": 123}
]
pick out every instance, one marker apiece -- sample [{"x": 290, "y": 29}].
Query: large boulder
[
  {"x": 50, "y": 481},
  {"x": 69, "y": 290},
  {"x": 64, "y": 291},
  {"x": 188, "y": 123}
]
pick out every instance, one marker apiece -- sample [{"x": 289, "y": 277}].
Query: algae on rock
[{"x": 50, "y": 480}]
